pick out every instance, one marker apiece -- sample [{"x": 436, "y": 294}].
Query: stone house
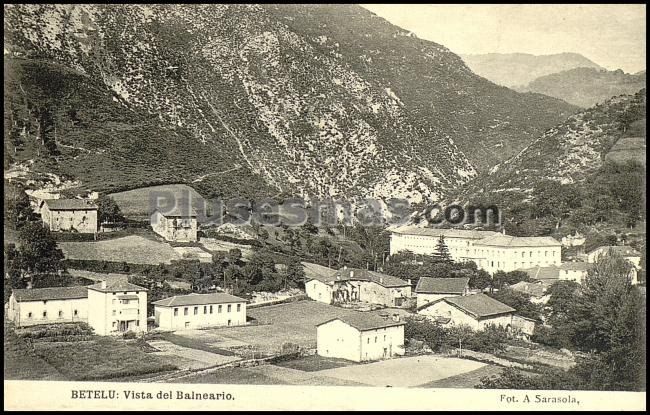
[
  {"x": 69, "y": 215},
  {"x": 175, "y": 225},
  {"x": 476, "y": 311}
]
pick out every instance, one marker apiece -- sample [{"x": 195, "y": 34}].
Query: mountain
[
  {"x": 574, "y": 150},
  {"x": 586, "y": 87},
  {"x": 516, "y": 69},
  {"x": 250, "y": 101}
]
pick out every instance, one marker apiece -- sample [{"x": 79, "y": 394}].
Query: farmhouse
[
  {"x": 200, "y": 310},
  {"x": 74, "y": 215},
  {"x": 424, "y": 240},
  {"x": 432, "y": 289},
  {"x": 117, "y": 306},
  {"x": 108, "y": 307},
  {"x": 48, "y": 305},
  {"x": 360, "y": 337},
  {"x": 574, "y": 271},
  {"x": 175, "y": 225},
  {"x": 476, "y": 311},
  {"x": 627, "y": 252},
  {"x": 319, "y": 282}
]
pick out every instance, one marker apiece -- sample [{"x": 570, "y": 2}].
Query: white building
[
  {"x": 48, "y": 305},
  {"x": 574, "y": 271},
  {"x": 176, "y": 225},
  {"x": 74, "y": 215},
  {"x": 508, "y": 253},
  {"x": 423, "y": 241},
  {"x": 361, "y": 337},
  {"x": 200, "y": 310},
  {"x": 109, "y": 308},
  {"x": 476, "y": 311},
  {"x": 627, "y": 252},
  {"x": 117, "y": 307},
  {"x": 491, "y": 251},
  {"x": 432, "y": 289},
  {"x": 349, "y": 285},
  {"x": 536, "y": 290}
]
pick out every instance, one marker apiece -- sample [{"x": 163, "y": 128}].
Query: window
[
  {"x": 229, "y": 307},
  {"x": 238, "y": 307},
  {"x": 545, "y": 253},
  {"x": 205, "y": 309},
  {"x": 175, "y": 312},
  {"x": 368, "y": 342},
  {"x": 44, "y": 314},
  {"x": 219, "y": 309},
  {"x": 137, "y": 323},
  {"x": 185, "y": 311},
  {"x": 114, "y": 293},
  {"x": 75, "y": 312},
  {"x": 196, "y": 310},
  {"x": 531, "y": 253},
  {"x": 113, "y": 312},
  {"x": 375, "y": 339},
  {"x": 522, "y": 254},
  {"x": 114, "y": 324},
  {"x": 44, "y": 301},
  {"x": 210, "y": 309},
  {"x": 125, "y": 293},
  {"x": 60, "y": 314},
  {"x": 29, "y": 315},
  {"x": 384, "y": 337}
]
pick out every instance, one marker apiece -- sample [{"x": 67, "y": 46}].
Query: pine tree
[{"x": 442, "y": 251}]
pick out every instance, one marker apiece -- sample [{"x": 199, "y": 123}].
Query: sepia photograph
[{"x": 325, "y": 206}]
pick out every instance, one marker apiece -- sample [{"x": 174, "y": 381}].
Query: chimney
[
  {"x": 396, "y": 317},
  {"x": 103, "y": 284}
]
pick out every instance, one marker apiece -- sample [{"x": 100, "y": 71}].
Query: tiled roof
[
  {"x": 542, "y": 273},
  {"x": 518, "y": 241},
  {"x": 534, "y": 289},
  {"x": 621, "y": 250},
  {"x": 52, "y": 293},
  {"x": 116, "y": 285},
  {"x": 359, "y": 274},
  {"x": 366, "y": 321},
  {"x": 576, "y": 266},
  {"x": 477, "y": 305},
  {"x": 177, "y": 212},
  {"x": 318, "y": 272},
  {"x": 428, "y": 285},
  {"x": 198, "y": 299},
  {"x": 447, "y": 233},
  {"x": 127, "y": 297},
  {"x": 70, "y": 204}
]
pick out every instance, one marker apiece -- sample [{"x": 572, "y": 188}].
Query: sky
[{"x": 611, "y": 35}]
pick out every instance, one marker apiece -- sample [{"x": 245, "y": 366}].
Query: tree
[
  {"x": 309, "y": 228},
  {"x": 519, "y": 301},
  {"x": 295, "y": 273},
  {"x": 108, "y": 211},
  {"x": 38, "y": 252},
  {"x": 234, "y": 255},
  {"x": 17, "y": 207},
  {"x": 442, "y": 251}
]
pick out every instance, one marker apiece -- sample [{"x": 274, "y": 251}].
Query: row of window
[
  {"x": 114, "y": 312},
  {"x": 75, "y": 313},
  {"x": 207, "y": 309}
]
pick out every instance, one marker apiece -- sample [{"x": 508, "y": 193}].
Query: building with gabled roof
[
  {"x": 348, "y": 285},
  {"x": 176, "y": 224},
  {"x": 360, "y": 337},
  {"x": 69, "y": 215},
  {"x": 431, "y": 289},
  {"x": 536, "y": 290},
  {"x": 548, "y": 274},
  {"x": 199, "y": 310},
  {"x": 575, "y": 271},
  {"x": 476, "y": 311},
  {"x": 627, "y": 252},
  {"x": 27, "y": 307}
]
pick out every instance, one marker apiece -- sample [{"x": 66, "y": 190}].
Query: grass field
[
  {"x": 100, "y": 358},
  {"x": 130, "y": 249},
  {"x": 292, "y": 322},
  {"x": 137, "y": 203}
]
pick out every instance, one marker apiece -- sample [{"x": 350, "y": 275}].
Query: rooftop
[
  {"x": 518, "y": 241},
  {"x": 70, "y": 204},
  {"x": 621, "y": 250},
  {"x": 447, "y": 233},
  {"x": 318, "y": 272},
  {"x": 359, "y": 274},
  {"x": 428, "y": 285},
  {"x": 365, "y": 321},
  {"x": 576, "y": 266},
  {"x": 534, "y": 289},
  {"x": 198, "y": 299},
  {"x": 542, "y": 273},
  {"x": 53, "y": 293},
  {"x": 116, "y": 285},
  {"x": 477, "y": 305}
]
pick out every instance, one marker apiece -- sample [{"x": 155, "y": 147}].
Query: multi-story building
[
  {"x": 176, "y": 225},
  {"x": 424, "y": 241},
  {"x": 108, "y": 307},
  {"x": 432, "y": 289},
  {"x": 360, "y": 337},
  {"x": 476, "y": 311},
  {"x": 199, "y": 310},
  {"x": 71, "y": 215}
]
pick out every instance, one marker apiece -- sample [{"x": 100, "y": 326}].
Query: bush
[
  {"x": 129, "y": 335},
  {"x": 491, "y": 340},
  {"x": 55, "y": 330}
]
